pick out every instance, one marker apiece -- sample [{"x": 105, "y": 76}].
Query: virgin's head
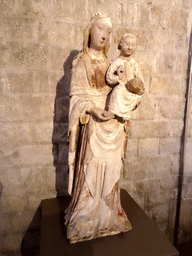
[{"x": 97, "y": 34}]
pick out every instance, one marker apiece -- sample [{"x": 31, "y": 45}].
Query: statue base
[
  {"x": 98, "y": 235},
  {"x": 145, "y": 239}
]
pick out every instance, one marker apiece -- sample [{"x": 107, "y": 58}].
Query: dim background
[{"x": 39, "y": 39}]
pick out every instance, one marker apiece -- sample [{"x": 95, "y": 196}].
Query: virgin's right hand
[{"x": 103, "y": 115}]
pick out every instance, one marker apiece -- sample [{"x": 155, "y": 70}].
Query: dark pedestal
[{"x": 144, "y": 240}]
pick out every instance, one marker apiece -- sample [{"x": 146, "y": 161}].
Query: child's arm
[
  {"x": 115, "y": 73},
  {"x": 121, "y": 72}
]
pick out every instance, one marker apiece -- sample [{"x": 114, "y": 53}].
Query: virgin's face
[{"x": 100, "y": 33}]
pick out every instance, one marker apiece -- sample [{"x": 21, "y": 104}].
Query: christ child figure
[{"x": 125, "y": 76}]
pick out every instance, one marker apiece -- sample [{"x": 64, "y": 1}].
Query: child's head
[
  {"x": 135, "y": 86},
  {"x": 127, "y": 45}
]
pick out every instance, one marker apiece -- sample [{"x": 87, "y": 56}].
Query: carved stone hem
[{"x": 104, "y": 233}]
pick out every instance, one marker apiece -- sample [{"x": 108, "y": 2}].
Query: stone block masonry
[{"x": 38, "y": 41}]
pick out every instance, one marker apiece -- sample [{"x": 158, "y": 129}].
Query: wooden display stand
[{"x": 144, "y": 240}]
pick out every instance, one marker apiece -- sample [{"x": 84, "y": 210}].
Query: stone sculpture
[
  {"x": 97, "y": 143},
  {"x": 124, "y": 73}
]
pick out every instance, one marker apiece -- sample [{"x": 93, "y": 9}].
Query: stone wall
[{"x": 39, "y": 40}]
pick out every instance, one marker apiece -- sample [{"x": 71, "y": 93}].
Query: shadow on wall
[
  {"x": 59, "y": 137},
  {"x": 31, "y": 241},
  {"x": 1, "y": 189},
  {"x": 30, "y": 245}
]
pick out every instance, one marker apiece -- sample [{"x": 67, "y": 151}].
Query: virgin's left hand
[
  {"x": 103, "y": 115},
  {"x": 108, "y": 115}
]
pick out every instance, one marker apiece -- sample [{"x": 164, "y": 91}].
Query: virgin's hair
[
  {"x": 86, "y": 41},
  {"x": 87, "y": 32}
]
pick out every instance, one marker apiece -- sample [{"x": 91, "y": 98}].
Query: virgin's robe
[{"x": 96, "y": 151}]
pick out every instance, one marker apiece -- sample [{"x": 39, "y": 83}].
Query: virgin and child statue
[{"x": 98, "y": 132}]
